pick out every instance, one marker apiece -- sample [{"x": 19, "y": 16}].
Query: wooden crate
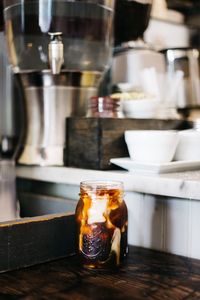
[
  {"x": 37, "y": 238},
  {"x": 92, "y": 142}
]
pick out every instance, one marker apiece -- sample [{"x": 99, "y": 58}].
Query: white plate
[{"x": 174, "y": 166}]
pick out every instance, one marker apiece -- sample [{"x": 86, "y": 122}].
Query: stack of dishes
[{"x": 138, "y": 104}]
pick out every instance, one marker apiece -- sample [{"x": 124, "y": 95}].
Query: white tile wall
[
  {"x": 135, "y": 230},
  {"x": 152, "y": 222},
  {"x": 162, "y": 223},
  {"x": 195, "y": 230},
  {"x": 166, "y": 224},
  {"x": 176, "y": 231}
]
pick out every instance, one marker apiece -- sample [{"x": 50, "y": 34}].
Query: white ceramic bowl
[
  {"x": 140, "y": 108},
  {"x": 189, "y": 145},
  {"x": 151, "y": 146}
]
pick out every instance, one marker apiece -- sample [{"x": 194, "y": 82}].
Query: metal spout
[{"x": 56, "y": 52}]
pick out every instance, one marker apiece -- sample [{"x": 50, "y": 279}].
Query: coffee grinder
[
  {"x": 59, "y": 51},
  {"x": 132, "y": 54}
]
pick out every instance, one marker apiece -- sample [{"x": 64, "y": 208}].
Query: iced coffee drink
[{"x": 102, "y": 218}]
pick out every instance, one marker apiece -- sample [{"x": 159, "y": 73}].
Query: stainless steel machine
[
  {"x": 59, "y": 51},
  {"x": 186, "y": 60}
]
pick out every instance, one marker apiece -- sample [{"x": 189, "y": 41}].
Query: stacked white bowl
[
  {"x": 188, "y": 148},
  {"x": 152, "y": 146},
  {"x": 163, "y": 146}
]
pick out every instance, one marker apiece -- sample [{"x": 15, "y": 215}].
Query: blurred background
[{"x": 167, "y": 24}]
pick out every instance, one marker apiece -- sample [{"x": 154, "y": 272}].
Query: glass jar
[
  {"x": 102, "y": 220},
  {"x": 104, "y": 107},
  {"x": 86, "y": 27}
]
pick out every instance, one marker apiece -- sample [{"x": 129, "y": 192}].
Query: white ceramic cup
[
  {"x": 142, "y": 108},
  {"x": 151, "y": 146},
  {"x": 188, "y": 148}
]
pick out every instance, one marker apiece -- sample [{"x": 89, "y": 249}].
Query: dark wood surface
[{"x": 146, "y": 274}]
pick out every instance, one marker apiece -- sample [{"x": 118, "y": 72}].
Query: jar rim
[{"x": 102, "y": 184}]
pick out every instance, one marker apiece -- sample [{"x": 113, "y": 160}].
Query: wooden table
[{"x": 146, "y": 274}]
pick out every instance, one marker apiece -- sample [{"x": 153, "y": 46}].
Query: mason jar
[
  {"x": 104, "y": 107},
  {"x": 102, "y": 220}
]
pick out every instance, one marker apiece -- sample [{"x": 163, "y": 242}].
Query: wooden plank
[
  {"x": 32, "y": 205},
  {"x": 83, "y": 141},
  {"x": 45, "y": 232},
  {"x": 3, "y": 248},
  {"x": 30, "y": 241}
]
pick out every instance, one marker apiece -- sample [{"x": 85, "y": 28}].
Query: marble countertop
[{"x": 182, "y": 185}]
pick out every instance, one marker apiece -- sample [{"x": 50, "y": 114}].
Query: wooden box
[
  {"x": 92, "y": 142},
  {"x": 37, "y": 238}
]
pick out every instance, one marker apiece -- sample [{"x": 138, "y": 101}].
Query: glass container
[
  {"x": 59, "y": 51},
  {"x": 102, "y": 221},
  {"x": 104, "y": 107},
  {"x": 84, "y": 27}
]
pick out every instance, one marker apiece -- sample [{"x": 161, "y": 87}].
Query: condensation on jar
[{"x": 102, "y": 220}]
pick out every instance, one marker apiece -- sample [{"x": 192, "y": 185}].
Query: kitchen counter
[
  {"x": 181, "y": 185},
  {"x": 146, "y": 274}
]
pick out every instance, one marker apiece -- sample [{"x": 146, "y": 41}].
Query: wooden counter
[{"x": 147, "y": 274}]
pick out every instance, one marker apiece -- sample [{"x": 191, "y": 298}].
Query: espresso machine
[
  {"x": 132, "y": 55},
  {"x": 59, "y": 51}
]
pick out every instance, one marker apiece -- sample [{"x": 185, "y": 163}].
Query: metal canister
[{"x": 186, "y": 60}]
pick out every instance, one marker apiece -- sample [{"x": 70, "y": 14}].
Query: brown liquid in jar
[{"x": 102, "y": 220}]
